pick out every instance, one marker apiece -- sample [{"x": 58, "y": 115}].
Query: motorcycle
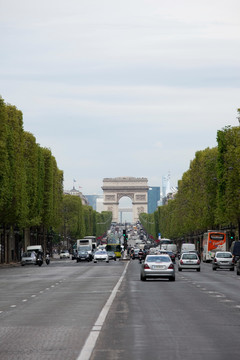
[
  {"x": 39, "y": 261},
  {"x": 140, "y": 257},
  {"x": 47, "y": 259}
]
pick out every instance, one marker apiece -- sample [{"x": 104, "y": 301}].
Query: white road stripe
[{"x": 89, "y": 345}]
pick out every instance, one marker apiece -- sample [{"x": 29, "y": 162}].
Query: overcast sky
[{"x": 122, "y": 88}]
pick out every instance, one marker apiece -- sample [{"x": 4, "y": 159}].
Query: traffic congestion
[{"x": 158, "y": 258}]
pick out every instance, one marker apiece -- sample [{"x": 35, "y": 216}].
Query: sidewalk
[{"x": 11, "y": 264}]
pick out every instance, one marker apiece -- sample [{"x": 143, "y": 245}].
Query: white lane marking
[
  {"x": 89, "y": 345},
  {"x": 13, "y": 306},
  {"x": 33, "y": 296},
  {"x": 24, "y": 300},
  {"x": 1, "y": 312}
]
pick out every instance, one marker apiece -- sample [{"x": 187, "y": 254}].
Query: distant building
[
  {"x": 153, "y": 198},
  {"x": 92, "y": 200},
  {"x": 99, "y": 204},
  {"x": 76, "y": 192}
]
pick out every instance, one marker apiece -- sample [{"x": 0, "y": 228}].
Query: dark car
[
  {"x": 235, "y": 250},
  {"x": 172, "y": 256},
  {"x": 111, "y": 255},
  {"x": 83, "y": 256}
]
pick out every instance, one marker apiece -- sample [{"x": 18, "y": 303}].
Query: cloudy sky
[{"x": 122, "y": 88}]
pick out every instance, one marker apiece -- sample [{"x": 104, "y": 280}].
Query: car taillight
[
  {"x": 181, "y": 262},
  {"x": 198, "y": 262},
  {"x": 215, "y": 260},
  {"x": 146, "y": 266},
  {"x": 233, "y": 260},
  {"x": 171, "y": 266}
]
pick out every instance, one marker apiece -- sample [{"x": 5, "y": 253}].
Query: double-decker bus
[
  {"x": 213, "y": 241},
  {"x": 116, "y": 248},
  {"x": 113, "y": 244}
]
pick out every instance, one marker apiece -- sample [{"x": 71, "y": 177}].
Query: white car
[
  {"x": 189, "y": 261},
  {"x": 101, "y": 255},
  {"x": 64, "y": 254}
]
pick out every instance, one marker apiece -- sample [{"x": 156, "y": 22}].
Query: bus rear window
[{"x": 216, "y": 236}]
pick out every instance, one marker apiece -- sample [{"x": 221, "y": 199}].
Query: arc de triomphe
[{"x": 134, "y": 188}]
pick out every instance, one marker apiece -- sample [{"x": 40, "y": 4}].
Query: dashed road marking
[{"x": 89, "y": 345}]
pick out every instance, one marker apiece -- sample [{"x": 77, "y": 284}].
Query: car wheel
[
  {"x": 22, "y": 264},
  {"x": 214, "y": 268},
  {"x": 115, "y": 259},
  {"x": 198, "y": 270},
  {"x": 232, "y": 269},
  {"x": 238, "y": 272},
  {"x": 172, "y": 278},
  {"x": 107, "y": 261},
  {"x": 179, "y": 269},
  {"x": 143, "y": 278}
]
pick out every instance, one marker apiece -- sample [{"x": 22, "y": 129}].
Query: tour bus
[
  {"x": 213, "y": 241},
  {"x": 116, "y": 248},
  {"x": 164, "y": 242},
  {"x": 85, "y": 245},
  {"x": 113, "y": 244},
  {"x": 94, "y": 241}
]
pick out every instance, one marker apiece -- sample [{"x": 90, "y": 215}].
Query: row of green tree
[
  {"x": 31, "y": 186},
  {"x": 208, "y": 194},
  {"x": 81, "y": 220}
]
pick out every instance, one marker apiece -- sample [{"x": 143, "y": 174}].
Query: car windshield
[
  {"x": 189, "y": 256},
  {"x": 28, "y": 254},
  {"x": 158, "y": 259},
  {"x": 224, "y": 255},
  {"x": 101, "y": 252}
]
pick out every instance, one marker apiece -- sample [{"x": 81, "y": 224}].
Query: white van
[
  {"x": 172, "y": 247},
  {"x": 187, "y": 247},
  {"x": 35, "y": 248}
]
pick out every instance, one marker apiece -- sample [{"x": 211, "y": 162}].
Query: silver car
[
  {"x": 223, "y": 260},
  {"x": 29, "y": 258},
  {"x": 189, "y": 261},
  {"x": 158, "y": 266}
]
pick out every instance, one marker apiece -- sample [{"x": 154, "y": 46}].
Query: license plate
[
  {"x": 189, "y": 262},
  {"x": 158, "y": 267}
]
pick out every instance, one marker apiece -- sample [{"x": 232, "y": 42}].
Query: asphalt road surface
[{"x": 81, "y": 311}]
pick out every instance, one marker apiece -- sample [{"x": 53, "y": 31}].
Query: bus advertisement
[{"x": 213, "y": 241}]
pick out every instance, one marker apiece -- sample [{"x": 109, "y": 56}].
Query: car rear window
[
  {"x": 189, "y": 256},
  {"x": 158, "y": 259},
  {"x": 224, "y": 255}
]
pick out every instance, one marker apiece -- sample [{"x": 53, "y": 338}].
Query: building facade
[{"x": 153, "y": 198}]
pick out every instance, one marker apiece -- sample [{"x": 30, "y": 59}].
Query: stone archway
[{"x": 134, "y": 188}]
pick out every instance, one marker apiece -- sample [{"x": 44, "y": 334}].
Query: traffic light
[
  {"x": 125, "y": 238},
  {"x": 232, "y": 236}
]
